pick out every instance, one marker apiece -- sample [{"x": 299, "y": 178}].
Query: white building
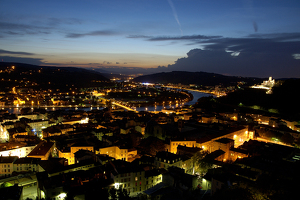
[
  {"x": 19, "y": 152},
  {"x": 6, "y": 165}
]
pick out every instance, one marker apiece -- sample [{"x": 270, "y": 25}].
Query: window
[{"x": 136, "y": 178}]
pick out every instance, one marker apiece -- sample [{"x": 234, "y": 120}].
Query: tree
[
  {"x": 287, "y": 139},
  {"x": 123, "y": 194},
  {"x": 152, "y": 145},
  {"x": 120, "y": 194},
  {"x": 200, "y": 166},
  {"x": 233, "y": 193},
  {"x": 113, "y": 193},
  {"x": 5, "y": 184}
]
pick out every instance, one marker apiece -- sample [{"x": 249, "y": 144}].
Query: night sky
[{"x": 258, "y": 38}]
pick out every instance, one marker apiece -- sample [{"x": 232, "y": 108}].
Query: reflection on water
[
  {"x": 18, "y": 109},
  {"x": 196, "y": 95}
]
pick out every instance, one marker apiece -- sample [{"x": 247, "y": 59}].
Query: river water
[{"x": 196, "y": 96}]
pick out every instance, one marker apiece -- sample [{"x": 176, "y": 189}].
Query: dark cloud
[
  {"x": 15, "y": 52},
  {"x": 192, "y": 37},
  {"x": 258, "y": 55},
  {"x": 33, "y": 61},
  {"x": 37, "y": 27},
  {"x": 14, "y": 26},
  {"x": 106, "y": 62},
  {"x": 93, "y": 33},
  {"x": 138, "y": 37},
  {"x": 174, "y": 38},
  {"x": 94, "y": 64},
  {"x": 245, "y": 64},
  {"x": 270, "y": 44},
  {"x": 22, "y": 29}
]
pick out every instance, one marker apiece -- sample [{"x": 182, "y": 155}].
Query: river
[{"x": 196, "y": 96}]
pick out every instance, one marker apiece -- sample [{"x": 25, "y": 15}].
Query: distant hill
[
  {"x": 198, "y": 78},
  {"x": 45, "y": 77}
]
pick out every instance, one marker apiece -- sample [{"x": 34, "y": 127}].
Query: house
[
  {"x": 135, "y": 179},
  {"x": 6, "y": 165},
  {"x": 224, "y": 144},
  {"x": 175, "y": 143},
  {"x": 43, "y": 150},
  {"x": 20, "y": 151},
  {"x": 165, "y": 159},
  {"x": 115, "y": 152},
  {"x": 69, "y": 153},
  {"x": 26, "y": 164},
  {"x": 237, "y": 153},
  {"x": 79, "y": 184},
  {"x": 13, "y": 132}
]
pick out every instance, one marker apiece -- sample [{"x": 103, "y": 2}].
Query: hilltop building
[{"x": 267, "y": 85}]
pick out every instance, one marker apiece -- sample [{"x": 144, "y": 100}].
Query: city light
[{"x": 62, "y": 195}]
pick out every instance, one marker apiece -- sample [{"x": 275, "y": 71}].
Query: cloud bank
[{"x": 257, "y": 55}]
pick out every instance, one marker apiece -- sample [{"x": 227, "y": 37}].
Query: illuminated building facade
[
  {"x": 43, "y": 150},
  {"x": 136, "y": 181},
  {"x": 115, "y": 152},
  {"x": 239, "y": 135},
  {"x": 174, "y": 145},
  {"x": 69, "y": 153},
  {"x": 26, "y": 165},
  {"x": 164, "y": 159},
  {"x": 6, "y": 165},
  {"x": 19, "y": 152},
  {"x": 4, "y": 135}
]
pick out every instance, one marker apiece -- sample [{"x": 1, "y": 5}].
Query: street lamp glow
[{"x": 62, "y": 195}]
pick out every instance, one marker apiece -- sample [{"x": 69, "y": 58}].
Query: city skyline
[{"x": 240, "y": 38}]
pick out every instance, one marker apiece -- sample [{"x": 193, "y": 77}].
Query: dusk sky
[{"x": 238, "y": 37}]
